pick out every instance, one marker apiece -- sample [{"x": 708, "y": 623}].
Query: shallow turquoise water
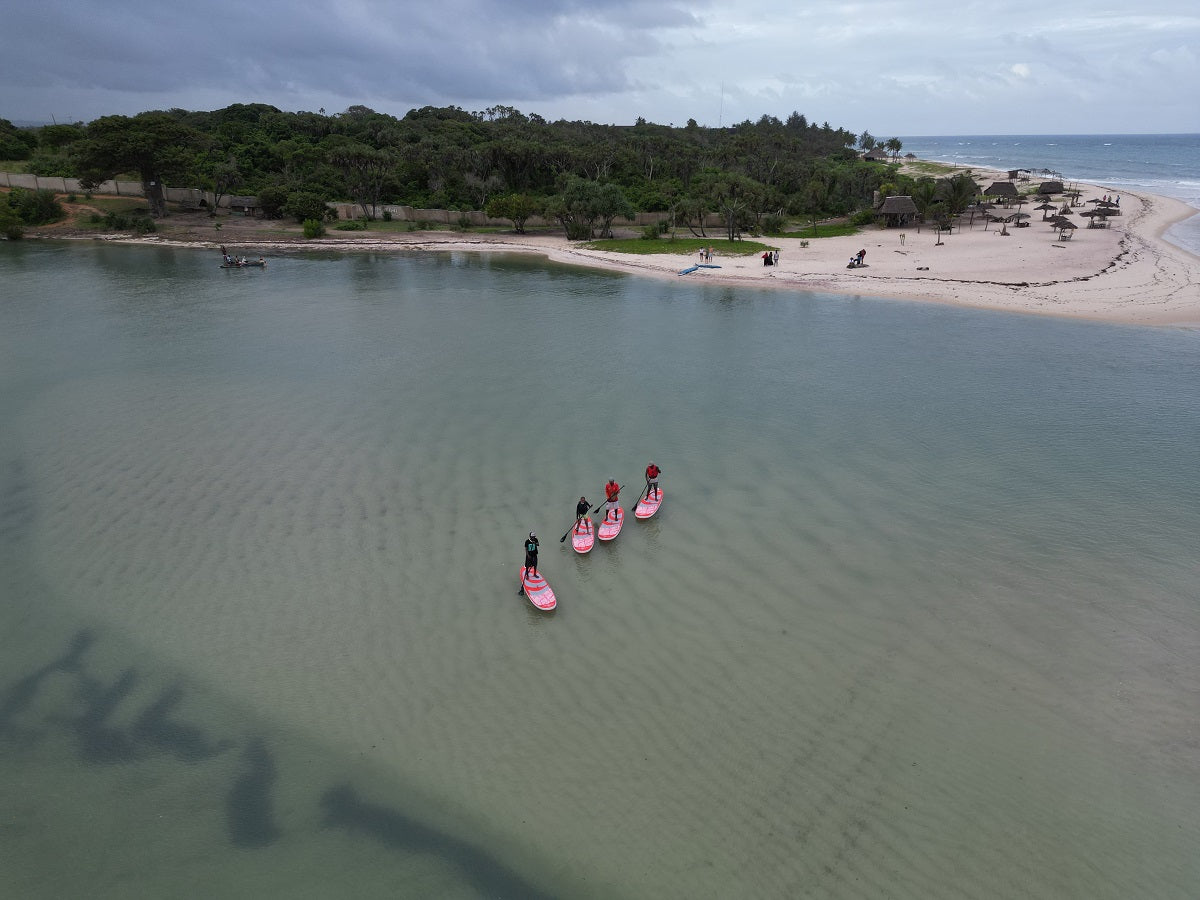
[{"x": 918, "y": 618}]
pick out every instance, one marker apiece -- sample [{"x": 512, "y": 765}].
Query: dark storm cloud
[{"x": 436, "y": 52}]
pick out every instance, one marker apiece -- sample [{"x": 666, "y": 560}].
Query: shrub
[
  {"x": 356, "y": 225},
  {"x": 773, "y": 223},
  {"x": 651, "y": 233},
  {"x": 863, "y": 217},
  {"x": 464, "y": 222},
  {"x": 35, "y": 207},
  {"x": 271, "y": 200},
  {"x": 304, "y": 205},
  {"x": 313, "y": 228},
  {"x": 10, "y": 225},
  {"x": 387, "y": 215},
  {"x": 144, "y": 225}
]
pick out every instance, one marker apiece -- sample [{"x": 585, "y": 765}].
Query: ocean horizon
[{"x": 1163, "y": 164}]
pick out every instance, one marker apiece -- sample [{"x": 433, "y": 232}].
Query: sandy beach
[{"x": 1126, "y": 272}]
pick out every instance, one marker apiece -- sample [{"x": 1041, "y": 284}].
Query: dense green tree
[
  {"x": 16, "y": 143},
  {"x": 304, "y": 205},
  {"x": 517, "y": 207},
  {"x": 156, "y": 145},
  {"x": 451, "y": 158}
]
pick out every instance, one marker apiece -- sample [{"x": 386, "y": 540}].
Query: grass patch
[
  {"x": 833, "y": 229},
  {"x": 934, "y": 169},
  {"x": 679, "y": 245},
  {"x": 16, "y": 166}
]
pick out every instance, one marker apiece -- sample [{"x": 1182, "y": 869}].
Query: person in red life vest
[
  {"x": 652, "y": 473},
  {"x": 612, "y": 491}
]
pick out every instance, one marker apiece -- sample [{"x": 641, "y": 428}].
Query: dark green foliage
[
  {"x": 136, "y": 221},
  {"x": 517, "y": 207},
  {"x": 303, "y": 205},
  {"x": 449, "y": 158},
  {"x": 355, "y": 225},
  {"x": 35, "y": 207},
  {"x": 271, "y": 200},
  {"x": 313, "y": 228},
  {"x": 10, "y": 225},
  {"x": 773, "y": 223},
  {"x": 16, "y": 143}
]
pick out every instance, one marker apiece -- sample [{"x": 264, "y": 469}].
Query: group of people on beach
[
  {"x": 858, "y": 259},
  {"x": 770, "y": 258},
  {"x": 612, "y": 497}
]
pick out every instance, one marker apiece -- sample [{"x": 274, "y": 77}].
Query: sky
[{"x": 892, "y": 67}]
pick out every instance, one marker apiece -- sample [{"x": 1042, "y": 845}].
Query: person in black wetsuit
[
  {"x": 531, "y": 553},
  {"x": 581, "y": 511}
]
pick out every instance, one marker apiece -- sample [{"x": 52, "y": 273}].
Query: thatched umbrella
[
  {"x": 1064, "y": 228},
  {"x": 1045, "y": 208}
]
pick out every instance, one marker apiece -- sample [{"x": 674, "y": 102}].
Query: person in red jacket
[
  {"x": 652, "y": 473},
  {"x": 612, "y": 492}
]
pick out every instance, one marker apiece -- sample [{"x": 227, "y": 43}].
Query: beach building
[{"x": 897, "y": 211}]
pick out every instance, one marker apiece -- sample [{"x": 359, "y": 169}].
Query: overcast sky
[{"x": 894, "y": 68}]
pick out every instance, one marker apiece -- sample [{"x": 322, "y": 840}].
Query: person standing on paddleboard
[
  {"x": 531, "y": 552},
  {"x": 581, "y": 511},
  {"x": 652, "y": 473},
  {"x": 612, "y": 491}
]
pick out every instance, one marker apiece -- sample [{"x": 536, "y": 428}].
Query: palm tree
[{"x": 894, "y": 146}]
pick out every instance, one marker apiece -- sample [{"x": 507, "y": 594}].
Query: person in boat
[
  {"x": 612, "y": 493},
  {"x": 581, "y": 511},
  {"x": 531, "y": 554},
  {"x": 652, "y": 473}
]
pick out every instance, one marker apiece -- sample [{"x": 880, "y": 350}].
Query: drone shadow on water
[{"x": 158, "y": 730}]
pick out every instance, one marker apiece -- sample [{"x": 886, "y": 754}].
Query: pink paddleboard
[
  {"x": 537, "y": 589},
  {"x": 584, "y": 537},
  {"x": 648, "y": 505},
  {"x": 610, "y": 529}
]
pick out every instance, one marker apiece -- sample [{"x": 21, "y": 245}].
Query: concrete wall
[{"x": 69, "y": 185}]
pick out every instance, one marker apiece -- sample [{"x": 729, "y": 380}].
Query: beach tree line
[{"x": 584, "y": 175}]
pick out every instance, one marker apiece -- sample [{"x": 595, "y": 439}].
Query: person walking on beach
[
  {"x": 612, "y": 493},
  {"x": 862, "y": 255},
  {"x": 581, "y": 511},
  {"x": 652, "y": 473},
  {"x": 531, "y": 553}
]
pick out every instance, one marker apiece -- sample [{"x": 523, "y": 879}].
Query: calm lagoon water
[{"x": 919, "y": 617}]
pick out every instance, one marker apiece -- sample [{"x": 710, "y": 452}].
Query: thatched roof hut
[
  {"x": 898, "y": 210},
  {"x": 876, "y": 154},
  {"x": 1002, "y": 189},
  {"x": 1050, "y": 187}
]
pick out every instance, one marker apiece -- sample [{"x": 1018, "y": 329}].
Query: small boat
[{"x": 240, "y": 262}]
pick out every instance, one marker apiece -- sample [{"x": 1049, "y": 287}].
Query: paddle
[{"x": 645, "y": 493}]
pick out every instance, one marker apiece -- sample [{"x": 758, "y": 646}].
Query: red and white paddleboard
[
  {"x": 610, "y": 528},
  {"x": 537, "y": 589},
  {"x": 583, "y": 536},
  {"x": 648, "y": 505}
]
